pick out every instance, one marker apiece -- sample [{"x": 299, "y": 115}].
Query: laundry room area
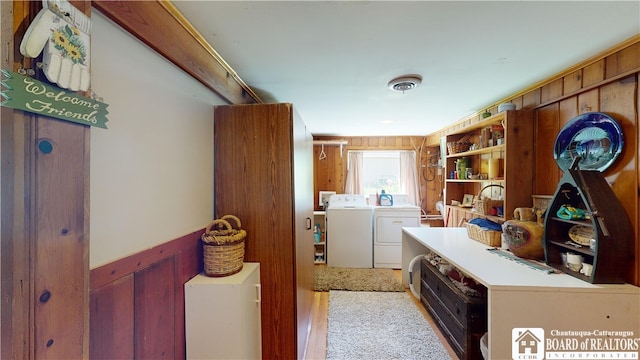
[
  {"x": 358, "y": 224},
  {"x": 360, "y": 232}
]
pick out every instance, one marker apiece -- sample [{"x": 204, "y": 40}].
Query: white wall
[{"x": 152, "y": 169}]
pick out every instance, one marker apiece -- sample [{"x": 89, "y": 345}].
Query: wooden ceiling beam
[{"x": 163, "y": 28}]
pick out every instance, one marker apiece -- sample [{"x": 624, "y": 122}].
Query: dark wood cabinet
[
  {"x": 263, "y": 173},
  {"x": 461, "y": 318},
  {"x": 607, "y": 223}
]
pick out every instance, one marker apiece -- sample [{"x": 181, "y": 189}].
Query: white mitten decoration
[
  {"x": 62, "y": 31},
  {"x": 38, "y": 32},
  {"x": 53, "y": 63}
]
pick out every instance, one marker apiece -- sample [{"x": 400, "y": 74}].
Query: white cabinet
[{"x": 222, "y": 315}]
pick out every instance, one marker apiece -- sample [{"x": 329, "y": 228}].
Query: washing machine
[
  {"x": 349, "y": 232},
  {"x": 388, "y": 222}
]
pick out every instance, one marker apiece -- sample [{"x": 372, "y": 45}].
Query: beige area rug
[
  {"x": 379, "y": 326},
  {"x": 354, "y": 279}
]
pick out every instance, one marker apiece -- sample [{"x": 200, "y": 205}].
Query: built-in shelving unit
[
  {"x": 514, "y": 152},
  {"x": 320, "y": 247}
]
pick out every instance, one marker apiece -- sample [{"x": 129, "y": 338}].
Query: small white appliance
[
  {"x": 388, "y": 222},
  {"x": 349, "y": 232}
]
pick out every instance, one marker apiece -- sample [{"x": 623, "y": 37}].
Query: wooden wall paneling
[
  {"x": 45, "y": 237},
  {"x": 16, "y": 282},
  {"x": 371, "y": 142},
  {"x": 434, "y": 138},
  {"x": 572, "y": 82},
  {"x": 552, "y": 90},
  {"x": 61, "y": 242},
  {"x": 112, "y": 320},
  {"x": 337, "y": 164},
  {"x": 188, "y": 264},
  {"x": 108, "y": 273},
  {"x": 622, "y": 61},
  {"x": 154, "y": 303},
  {"x": 16, "y": 292},
  {"x": 327, "y": 172},
  {"x": 355, "y": 141},
  {"x": 568, "y": 109},
  {"x": 391, "y": 141},
  {"x": 531, "y": 99},
  {"x": 593, "y": 73},
  {"x": 519, "y": 101},
  {"x": 430, "y": 181},
  {"x": 588, "y": 101},
  {"x": 617, "y": 99},
  {"x": 546, "y": 130},
  {"x": 14, "y": 330}
]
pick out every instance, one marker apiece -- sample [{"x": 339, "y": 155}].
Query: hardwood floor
[{"x": 317, "y": 347}]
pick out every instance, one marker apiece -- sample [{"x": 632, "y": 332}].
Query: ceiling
[{"x": 334, "y": 59}]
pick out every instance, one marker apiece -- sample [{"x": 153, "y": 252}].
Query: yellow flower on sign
[
  {"x": 74, "y": 53},
  {"x": 67, "y": 40},
  {"x": 59, "y": 38}
]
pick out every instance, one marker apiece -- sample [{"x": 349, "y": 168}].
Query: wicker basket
[
  {"x": 483, "y": 206},
  {"x": 462, "y": 145},
  {"x": 541, "y": 202},
  {"x": 487, "y": 237},
  {"x": 455, "y": 147},
  {"x": 223, "y": 247}
]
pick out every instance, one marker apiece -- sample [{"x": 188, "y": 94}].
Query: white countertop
[{"x": 494, "y": 271}]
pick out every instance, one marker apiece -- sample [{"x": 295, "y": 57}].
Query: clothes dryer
[
  {"x": 349, "y": 232},
  {"x": 388, "y": 222}
]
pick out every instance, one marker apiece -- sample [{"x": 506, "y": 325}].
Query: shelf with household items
[
  {"x": 482, "y": 165},
  {"x": 587, "y": 233},
  {"x": 319, "y": 237}
]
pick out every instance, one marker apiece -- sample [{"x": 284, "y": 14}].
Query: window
[
  {"x": 372, "y": 171},
  {"x": 381, "y": 171}
]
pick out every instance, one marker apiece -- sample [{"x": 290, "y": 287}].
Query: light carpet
[
  {"x": 380, "y": 326},
  {"x": 355, "y": 279}
]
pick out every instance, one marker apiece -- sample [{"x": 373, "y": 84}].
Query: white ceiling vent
[{"x": 405, "y": 83}]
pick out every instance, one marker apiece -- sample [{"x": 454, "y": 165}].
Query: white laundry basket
[
  {"x": 484, "y": 346},
  {"x": 415, "y": 260}
]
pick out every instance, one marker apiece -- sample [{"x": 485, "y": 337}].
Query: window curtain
[
  {"x": 354, "y": 172},
  {"x": 409, "y": 176}
]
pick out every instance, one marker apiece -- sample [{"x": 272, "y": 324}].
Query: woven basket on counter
[
  {"x": 483, "y": 206},
  {"x": 485, "y": 236},
  {"x": 223, "y": 247}
]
